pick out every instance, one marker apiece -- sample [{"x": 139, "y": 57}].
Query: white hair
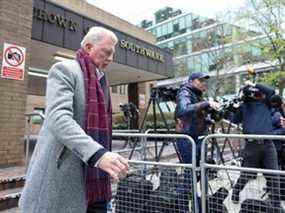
[{"x": 96, "y": 34}]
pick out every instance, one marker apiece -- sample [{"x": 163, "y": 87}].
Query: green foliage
[
  {"x": 274, "y": 79},
  {"x": 265, "y": 14}
]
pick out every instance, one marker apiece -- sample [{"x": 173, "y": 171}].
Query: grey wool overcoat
[{"x": 55, "y": 178}]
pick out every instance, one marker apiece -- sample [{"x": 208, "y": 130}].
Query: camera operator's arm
[
  {"x": 184, "y": 105},
  {"x": 268, "y": 91}
]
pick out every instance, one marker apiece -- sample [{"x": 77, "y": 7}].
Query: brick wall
[{"x": 16, "y": 24}]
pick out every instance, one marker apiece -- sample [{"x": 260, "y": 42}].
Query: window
[
  {"x": 164, "y": 30},
  {"x": 170, "y": 28},
  {"x": 188, "y": 22},
  {"x": 205, "y": 62},
  {"x": 180, "y": 67},
  {"x": 190, "y": 65},
  {"x": 122, "y": 89},
  {"x": 182, "y": 23},
  {"x": 159, "y": 31},
  {"x": 195, "y": 23},
  {"x": 180, "y": 47},
  {"x": 189, "y": 44},
  {"x": 176, "y": 27},
  {"x": 198, "y": 63},
  {"x": 114, "y": 89}
]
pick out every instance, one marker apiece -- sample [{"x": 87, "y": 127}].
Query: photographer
[
  {"x": 278, "y": 115},
  {"x": 130, "y": 111},
  {"x": 191, "y": 113},
  {"x": 190, "y": 116},
  {"x": 255, "y": 115}
]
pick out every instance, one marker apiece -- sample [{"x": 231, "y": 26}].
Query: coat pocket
[{"x": 61, "y": 156}]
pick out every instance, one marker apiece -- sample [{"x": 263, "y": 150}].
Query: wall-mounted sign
[
  {"x": 13, "y": 64},
  {"x": 53, "y": 18},
  {"x": 141, "y": 50}
]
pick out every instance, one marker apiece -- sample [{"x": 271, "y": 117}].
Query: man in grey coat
[{"x": 72, "y": 164}]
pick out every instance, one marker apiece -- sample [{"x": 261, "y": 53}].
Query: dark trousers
[
  {"x": 97, "y": 207},
  {"x": 260, "y": 154},
  {"x": 185, "y": 151}
]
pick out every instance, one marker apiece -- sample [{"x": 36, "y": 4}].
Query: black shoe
[{"x": 235, "y": 198}]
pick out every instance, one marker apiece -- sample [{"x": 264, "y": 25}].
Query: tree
[
  {"x": 267, "y": 17},
  {"x": 274, "y": 79},
  {"x": 219, "y": 57}
]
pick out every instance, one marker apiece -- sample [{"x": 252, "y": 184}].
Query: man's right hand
[{"x": 114, "y": 164}]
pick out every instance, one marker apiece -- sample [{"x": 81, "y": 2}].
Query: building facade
[
  {"x": 51, "y": 31},
  {"x": 207, "y": 45}
]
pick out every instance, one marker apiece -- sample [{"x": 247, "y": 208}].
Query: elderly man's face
[
  {"x": 201, "y": 84},
  {"x": 101, "y": 53}
]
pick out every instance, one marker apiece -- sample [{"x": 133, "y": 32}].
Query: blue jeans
[{"x": 185, "y": 151}]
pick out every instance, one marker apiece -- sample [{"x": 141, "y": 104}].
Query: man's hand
[
  {"x": 114, "y": 164},
  {"x": 214, "y": 105}
]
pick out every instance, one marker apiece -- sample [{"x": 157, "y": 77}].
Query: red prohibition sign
[{"x": 15, "y": 54}]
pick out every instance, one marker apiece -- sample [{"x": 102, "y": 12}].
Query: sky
[{"x": 135, "y": 11}]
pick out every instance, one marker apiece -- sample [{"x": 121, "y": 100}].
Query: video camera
[
  {"x": 227, "y": 107},
  {"x": 248, "y": 93},
  {"x": 165, "y": 94}
]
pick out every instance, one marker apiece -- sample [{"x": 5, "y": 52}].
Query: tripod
[
  {"x": 154, "y": 101},
  {"x": 215, "y": 145}
]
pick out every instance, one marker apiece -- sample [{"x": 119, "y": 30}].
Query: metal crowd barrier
[
  {"x": 141, "y": 146},
  {"x": 126, "y": 131},
  {"x": 171, "y": 190},
  {"x": 261, "y": 184},
  {"x": 164, "y": 188}
]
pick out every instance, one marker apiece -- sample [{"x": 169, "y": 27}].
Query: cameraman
[{"x": 255, "y": 115}]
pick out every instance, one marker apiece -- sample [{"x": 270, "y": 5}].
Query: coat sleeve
[
  {"x": 184, "y": 105},
  {"x": 268, "y": 91},
  {"x": 59, "y": 114}
]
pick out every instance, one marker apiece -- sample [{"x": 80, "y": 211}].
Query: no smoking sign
[{"x": 13, "y": 64}]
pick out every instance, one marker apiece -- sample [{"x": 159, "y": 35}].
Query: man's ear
[{"x": 88, "y": 47}]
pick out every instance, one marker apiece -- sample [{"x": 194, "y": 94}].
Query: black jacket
[{"x": 191, "y": 110}]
